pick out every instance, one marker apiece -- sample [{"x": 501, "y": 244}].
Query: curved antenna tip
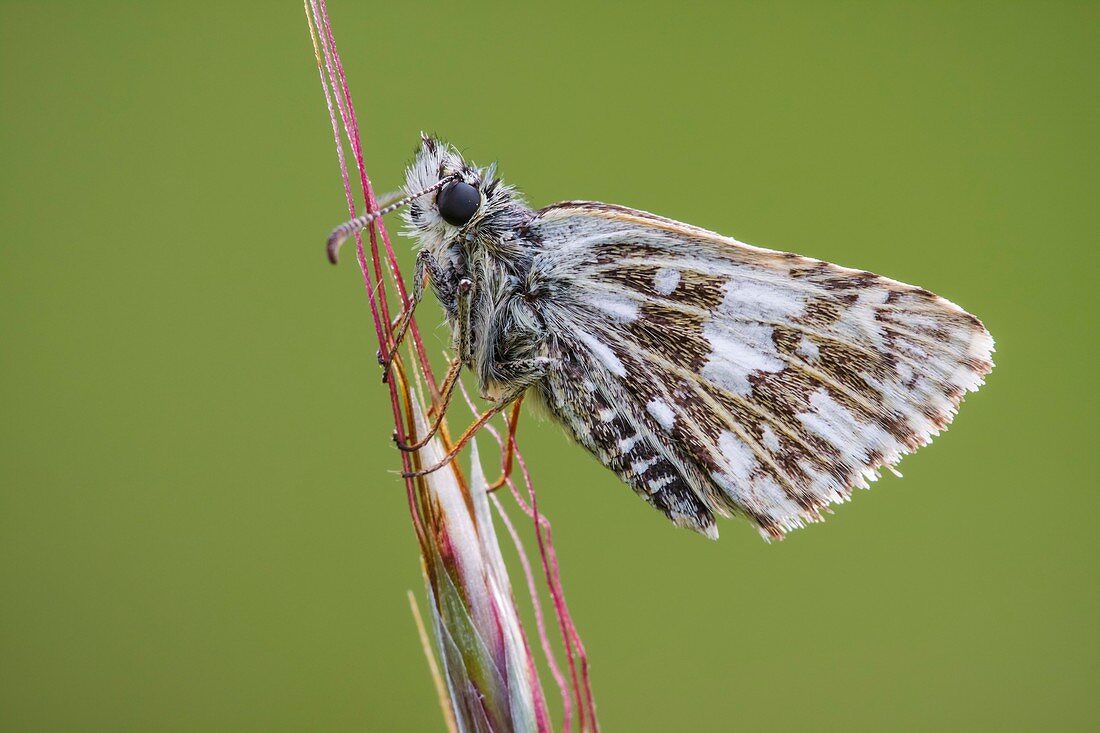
[{"x": 333, "y": 247}]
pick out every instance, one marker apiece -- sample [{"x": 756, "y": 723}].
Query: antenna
[{"x": 358, "y": 224}]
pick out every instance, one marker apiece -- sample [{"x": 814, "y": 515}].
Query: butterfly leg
[
  {"x": 516, "y": 363},
  {"x": 509, "y": 446},
  {"x": 461, "y": 442},
  {"x": 456, "y": 298},
  {"x": 426, "y": 266},
  {"x": 449, "y": 384},
  {"x": 514, "y": 396}
]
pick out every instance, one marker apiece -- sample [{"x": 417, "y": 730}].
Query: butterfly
[{"x": 713, "y": 377}]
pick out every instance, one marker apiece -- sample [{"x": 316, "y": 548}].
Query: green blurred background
[{"x": 199, "y": 524}]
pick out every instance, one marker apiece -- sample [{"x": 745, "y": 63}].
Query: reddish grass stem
[{"x": 335, "y": 86}]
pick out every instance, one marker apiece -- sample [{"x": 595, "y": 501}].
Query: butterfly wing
[{"x": 715, "y": 377}]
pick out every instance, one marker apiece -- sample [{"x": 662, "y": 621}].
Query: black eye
[{"x": 457, "y": 203}]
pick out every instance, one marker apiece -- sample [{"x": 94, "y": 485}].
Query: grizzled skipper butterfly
[{"x": 713, "y": 377}]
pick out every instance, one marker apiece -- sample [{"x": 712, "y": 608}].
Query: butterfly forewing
[{"x": 716, "y": 377}]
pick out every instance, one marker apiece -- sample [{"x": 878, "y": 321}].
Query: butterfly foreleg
[
  {"x": 426, "y": 267},
  {"x": 509, "y": 359},
  {"x": 509, "y": 446},
  {"x": 440, "y": 410},
  {"x": 467, "y": 434}
]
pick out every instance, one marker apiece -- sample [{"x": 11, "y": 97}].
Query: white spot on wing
[
  {"x": 738, "y": 454},
  {"x": 627, "y": 444},
  {"x": 852, "y": 436},
  {"x": 666, "y": 280},
  {"x": 659, "y": 483},
  {"x": 738, "y": 350},
  {"x": 762, "y": 494},
  {"x": 860, "y": 316},
  {"x": 780, "y": 505},
  {"x": 737, "y": 481},
  {"x": 640, "y": 467},
  {"x": 662, "y": 413},
  {"x": 753, "y": 299},
  {"x": 770, "y": 439},
  {"x": 602, "y": 352},
  {"x": 618, "y": 307},
  {"x": 905, "y": 372},
  {"x": 808, "y": 349}
]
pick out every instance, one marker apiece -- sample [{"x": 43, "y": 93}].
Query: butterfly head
[{"x": 473, "y": 203}]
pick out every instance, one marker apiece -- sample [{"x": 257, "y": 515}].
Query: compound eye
[{"x": 458, "y": 203}]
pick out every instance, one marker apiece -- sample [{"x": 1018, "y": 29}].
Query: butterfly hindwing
[{"x": 716, "y": 377}]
